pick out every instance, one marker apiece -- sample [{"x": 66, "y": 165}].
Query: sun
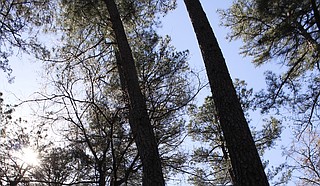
[{"x": 29, "y": 156}]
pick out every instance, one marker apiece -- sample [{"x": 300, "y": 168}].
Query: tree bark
[
  {"x": 246, "y": 164},
  {"x": 138, "y": 117}
]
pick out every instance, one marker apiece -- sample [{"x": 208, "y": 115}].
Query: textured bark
[
  {"x": 246, "y": 164},
  {"x": 138, "y": 117}
]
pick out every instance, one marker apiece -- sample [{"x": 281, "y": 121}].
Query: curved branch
[
  {"x": 313, "y": 108},
  {"x": 287, "y": 77}
]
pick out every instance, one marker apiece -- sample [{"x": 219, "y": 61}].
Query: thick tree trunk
[
  {"x": 246, "y": 164},
  {"x": 138, "y": 117}
]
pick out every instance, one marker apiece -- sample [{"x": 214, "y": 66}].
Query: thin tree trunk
[
  {"x": 138, "y": 117},
  {"x": 246, "y": 164}
]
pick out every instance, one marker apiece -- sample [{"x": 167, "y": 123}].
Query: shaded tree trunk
[
  {"x": 138, "y": 117},
  {"x": 246, "y": 164},
  {"x": 102, "y": 173}
]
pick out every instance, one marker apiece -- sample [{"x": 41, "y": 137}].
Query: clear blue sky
[{"x": 177, "y": 24}]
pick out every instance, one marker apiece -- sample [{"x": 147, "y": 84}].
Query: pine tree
[
  {"x": 247, "y": 168},
  {"x": 87, "y": 59},
  {"x": 285, "y": 32},
  {"x": 138, "y": 117},
  {"x": 211, "y": 156}
]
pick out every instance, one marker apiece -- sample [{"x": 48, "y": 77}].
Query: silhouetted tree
[{"x": 247, "y": 168}]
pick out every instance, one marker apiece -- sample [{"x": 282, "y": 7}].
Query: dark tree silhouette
[
  {"x": 138, "y": 117},
  {"x": 247, "y": 168}
]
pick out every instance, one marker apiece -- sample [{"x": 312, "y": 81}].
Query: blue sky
[{"x": 28, "y": 73}]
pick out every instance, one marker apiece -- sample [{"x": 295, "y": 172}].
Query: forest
[{"x": 119, "y": 106}]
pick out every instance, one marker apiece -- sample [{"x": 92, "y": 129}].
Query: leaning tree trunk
[
  {"x": 138, "y": 117},
  {"x": 246, "y": 164}
]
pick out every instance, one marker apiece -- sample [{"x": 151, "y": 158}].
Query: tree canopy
[
  {"x": 20, "y": 22},
  {"x": 119, "y": 102},
  {"x": 287, "y": 33}
]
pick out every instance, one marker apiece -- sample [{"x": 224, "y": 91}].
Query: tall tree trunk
[
  {"x": 138, "y": 117},
  {"x": 246, "y": 164}
]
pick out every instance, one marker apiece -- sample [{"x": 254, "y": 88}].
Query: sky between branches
[{"x": 28, "y": 72}]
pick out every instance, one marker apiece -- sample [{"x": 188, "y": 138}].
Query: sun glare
[{"x": 29, "y": 156}]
